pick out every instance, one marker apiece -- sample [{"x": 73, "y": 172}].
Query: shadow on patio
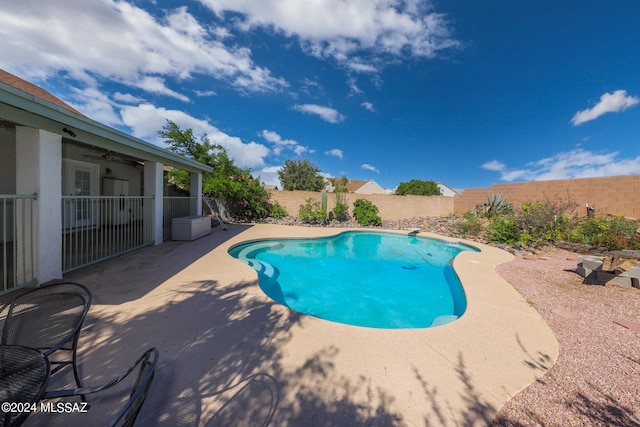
[
  {"x": 220, "y": 364},
  {"x": 230, "y": 356}
]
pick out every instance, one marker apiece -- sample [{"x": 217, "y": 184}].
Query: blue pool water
[{"x": 374, "y": 279}]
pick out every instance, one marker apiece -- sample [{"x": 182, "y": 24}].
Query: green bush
[
  {"x": 624, "y": 226},
  {"x": 471, "y": 224},
  {"x": 341, "y": 209},
  {"x": 586, "y": 230},
  {"x": 541, "y": 222},
  {"x": 277, "y": 211},
  {"x": 366, "y": 213},
  {"x": 312, "y": 212},
  {"x": 613, "y": 232},
  {"x": 503, "y": 229},
  {"x": 613, "y": 241}
]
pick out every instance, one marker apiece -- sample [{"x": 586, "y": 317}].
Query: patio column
[
  {"x": 39, "y": 170},
  {"x": 196, "y": 191},
  {"x": 153, "y": 187}
]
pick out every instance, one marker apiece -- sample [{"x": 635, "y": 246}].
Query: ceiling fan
[{"x": 111, "y": 156}]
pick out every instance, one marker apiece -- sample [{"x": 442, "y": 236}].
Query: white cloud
[
  {"x": 280, "y": 144},
  {"x": 334, "y": 152},
  {"x": 97, "y": 105},
  {"x": 146, "y": 120},
  {"x": 327, "y": 114},
  {"x": 157, "y": 85},
  {"x": 609, "y": 103},
  {"x": 301, "y": 149},
  {"x": 494, "y": 165},
  {"x": 269, "y": 175},
  {"x": 353, "y": 86},
  {"x": 115, "y": 40},
  {"x": 360, "y": 67},
  {"x": 368, "y": 106},
  {"x": 127, "y": 98},
  {"x": 343, "y": 29},
  {"x": 370, "y": 168},
  {"x": 205, "y": 92},
  {"x": 577, "y": 163}
]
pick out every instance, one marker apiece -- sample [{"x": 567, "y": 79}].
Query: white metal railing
[
  {"x": 95, "y": 228},
  {"x": 17, "y": 241},
  {"x": 207, "y": 209},
  {"x": 174, "y": 207}
]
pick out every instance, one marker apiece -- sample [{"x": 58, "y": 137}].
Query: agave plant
[{"x": 496, "y": 205}]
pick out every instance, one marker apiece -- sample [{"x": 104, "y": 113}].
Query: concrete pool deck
[{"x": 231, "y": 356}]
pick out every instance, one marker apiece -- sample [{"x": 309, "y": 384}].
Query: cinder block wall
[
  {"x": 618, "y": 195},
  {"x": 390, "y": 207}
]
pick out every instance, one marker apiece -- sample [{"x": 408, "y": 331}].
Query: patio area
[{"x": 231, "y": 356}]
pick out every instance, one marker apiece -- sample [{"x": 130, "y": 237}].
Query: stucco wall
[
  {"x": 619, "y": 195},
  {"x": 7, "y": 162},
  {"x": 390, "y": 207}
]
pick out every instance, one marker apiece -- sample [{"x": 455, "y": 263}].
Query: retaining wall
[
  {"x": 390, "y": 207},
  {"x": 619, "y": 195}
]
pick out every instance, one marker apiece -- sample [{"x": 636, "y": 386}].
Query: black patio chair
[
  {"x": 129, "y": 412},
  {"x": 49, "y": 319}
]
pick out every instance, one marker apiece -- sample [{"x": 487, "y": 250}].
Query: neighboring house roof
[
  {"x": 28, "y": 105},
  {"x": 368, "y": 186}
]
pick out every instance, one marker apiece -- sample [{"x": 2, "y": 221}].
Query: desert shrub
[
  {"x": 613, "y": 232},
  {"x": 621, "y": 225},
  {"x": 539, "y": 223},
  {"x": 471, "y": 225},
  {"x": 341, "y": 209},
  {"x": 277, "y": 211},
  {"x": 613, "y": 241},
  {"x": 366, "y": 213},
  {"x": 503, "y": 229},
  {"x": 587, "y": 229},
  {"x": 312, "y": 212},
  {"x": 496, "y": 205}
]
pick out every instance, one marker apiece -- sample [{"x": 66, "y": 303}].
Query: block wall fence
[
  {"x": 618, "y": 195},
  {"x": 390, "y": 207}
]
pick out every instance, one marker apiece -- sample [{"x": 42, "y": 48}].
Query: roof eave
[{"x": 28, "y": 110}]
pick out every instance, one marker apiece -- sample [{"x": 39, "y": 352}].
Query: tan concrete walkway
[{"x": 214, "y": 328}]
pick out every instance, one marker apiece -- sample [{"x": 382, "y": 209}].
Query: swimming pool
[{"x": 373, "y": 279}]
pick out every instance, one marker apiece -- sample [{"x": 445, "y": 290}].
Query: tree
[
  {"x": 300, "y": 175},
  {"x": 227, "y": 181},
  {"x": 340, "y": 185},
  {"x": 419, "y": 188}
]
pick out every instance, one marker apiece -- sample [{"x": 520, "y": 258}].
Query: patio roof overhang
[{"x": 24, "y": 109}]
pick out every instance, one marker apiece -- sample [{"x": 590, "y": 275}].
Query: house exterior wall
[
  {"x": 153, "y": 186},
  {"x": 114, "y": 169},
  {"x": 618, "y": 195},
  {"x": 446, "y": 191},
  {"x": 371, "y": 187},
  {"x": 39, "y": 170},
  {"x": 390, "y": 207},
  {"x": 7, "y": 162}
]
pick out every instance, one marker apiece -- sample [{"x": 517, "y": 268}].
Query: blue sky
[{"x": 467, "y": 93}]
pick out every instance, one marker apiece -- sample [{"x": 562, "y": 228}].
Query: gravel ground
[{"x": 596, "y": 380}]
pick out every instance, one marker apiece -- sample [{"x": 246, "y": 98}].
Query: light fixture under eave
[{"x": 69, "y": 132}]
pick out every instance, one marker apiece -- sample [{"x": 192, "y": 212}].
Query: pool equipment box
[{"x": 190, "y": 227}]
